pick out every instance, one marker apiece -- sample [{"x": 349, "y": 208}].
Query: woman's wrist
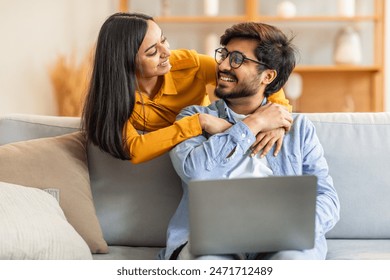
[
  {"x": 254, "y": 123},
  {"x": 203, "y": 121}
]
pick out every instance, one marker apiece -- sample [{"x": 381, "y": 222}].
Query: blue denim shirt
[{"x": 204, "y": 157}]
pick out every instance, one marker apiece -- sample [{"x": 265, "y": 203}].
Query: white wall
[{"x": 33, "y": 33}]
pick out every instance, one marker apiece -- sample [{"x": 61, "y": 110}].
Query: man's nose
[{"x": 225, "y": 64}]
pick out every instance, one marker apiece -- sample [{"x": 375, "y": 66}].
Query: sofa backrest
[
  {"x": 20, "y": 127},
  {"x": 135, "y": 202},
  {"x": 357, "y": 148}
]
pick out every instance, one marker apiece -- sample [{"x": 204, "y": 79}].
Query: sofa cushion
[
  {"x": 129, "y": 253},
  {"x": 358, "y": 249},
  {"x": 58, "y": 163},
  {"x": 134, "y": 202},
  {"x": 33, "y": 226},
  {"x": 357, "y": 149}
]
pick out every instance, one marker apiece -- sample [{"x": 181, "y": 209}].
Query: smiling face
[
  {"x": 244, "y": 81},
  {"x": 153, "y": 54}
]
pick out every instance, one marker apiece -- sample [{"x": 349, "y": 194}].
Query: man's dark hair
[{"x": 273, "y": 48}]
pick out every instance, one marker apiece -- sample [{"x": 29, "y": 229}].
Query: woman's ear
[{"x": 268, "y": 76}]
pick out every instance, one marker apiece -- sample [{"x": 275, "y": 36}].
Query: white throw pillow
[{"x": 33, "y": 226}]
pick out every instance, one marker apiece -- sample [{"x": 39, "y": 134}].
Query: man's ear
[{"x": 268, "y": 76}]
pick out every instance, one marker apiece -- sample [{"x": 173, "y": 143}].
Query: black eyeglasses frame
[{"x": 228, "y": 54}]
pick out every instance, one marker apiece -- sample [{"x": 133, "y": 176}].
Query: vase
[
  {"x": 346, "y": 8},
  {"x": 286, "y": 9},
  {"x": 211, "y": 7},
  {"x": 211, "y": 43},
  {"x": 293, "y": 88},
  {"x": 348, "y": 48}
]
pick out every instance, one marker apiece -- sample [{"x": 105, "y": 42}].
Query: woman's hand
[
  {"x": 269, "y": 117},
  {"x": 265, "y": 141},
  {"x": 212, "y": 124}
]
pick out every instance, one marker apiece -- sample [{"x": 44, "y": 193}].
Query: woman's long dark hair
[{"x": 111, "y": 95}]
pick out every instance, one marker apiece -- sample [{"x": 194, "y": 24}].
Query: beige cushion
[
  {"x": 33, "y": 226},
  {"x": 57, "y": 163}
]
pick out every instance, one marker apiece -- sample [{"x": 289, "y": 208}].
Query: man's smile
[{"x": 227, "y": 78}]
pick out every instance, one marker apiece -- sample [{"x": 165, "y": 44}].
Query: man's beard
[
  {"x": 248, "y": 89},
  {"x": 238, "y": 93}
]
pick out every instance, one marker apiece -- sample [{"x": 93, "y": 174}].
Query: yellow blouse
[{"x": 184, "y": 85}]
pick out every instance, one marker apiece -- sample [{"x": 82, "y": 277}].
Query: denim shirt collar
[{"x": 225, "y": 112}]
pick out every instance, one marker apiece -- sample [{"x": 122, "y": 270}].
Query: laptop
[{"x": 247, "y": 215}]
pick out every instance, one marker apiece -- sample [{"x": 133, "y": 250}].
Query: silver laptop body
[{"x": 246, "y": 215}]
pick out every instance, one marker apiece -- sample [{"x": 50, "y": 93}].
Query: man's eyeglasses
[{"x": 236, "y": 59}]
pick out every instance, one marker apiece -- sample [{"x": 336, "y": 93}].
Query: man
[{"x": 255, "y": 60}]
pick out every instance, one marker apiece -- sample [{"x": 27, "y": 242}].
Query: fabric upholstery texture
[
  {"x": 33, "y": 226},
  {"x": 129, "y": 253},
  {"x": 357, "y": 150},
  {"x": 59, "y": 163},
  {"x": 20, "y": 127},
  {"x": 134, "y": 202},
  {"x": 358, "y": 249}
]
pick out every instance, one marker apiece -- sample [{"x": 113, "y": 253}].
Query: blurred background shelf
[{"x": 327, "y": 86}]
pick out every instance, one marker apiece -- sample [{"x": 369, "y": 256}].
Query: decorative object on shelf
[
  {"x": 211, "y": 7},
  {"x": 165, "y": 8},
  {"x": 348, "y": 49},
  {"x": 293, "y": 88},
  {"x": 211, "y": 43},
  {"x": 346, "y": 8},
  {"x": 286, "y": 9},
  {"x": 323, "y": 78}
]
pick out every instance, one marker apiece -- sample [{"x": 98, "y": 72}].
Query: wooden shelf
[
  {"x": 209, "y": 19},
  {"x": 326, "y": 88},
  {"x": 336, "y": 68},
  {"x": 317, "y": 19},
  {"x": 199, "y": 19}
]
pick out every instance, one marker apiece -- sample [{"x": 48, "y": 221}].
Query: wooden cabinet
[{"x": 326, "y": 86}]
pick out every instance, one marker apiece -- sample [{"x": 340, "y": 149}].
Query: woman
[{"x": 138, "y": 84}]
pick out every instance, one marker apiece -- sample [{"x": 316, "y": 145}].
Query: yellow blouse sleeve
[
  {"x": 153, "y": 144},
  {"x": 207, "y": 66},
  {"x": 280, "y": 98}
]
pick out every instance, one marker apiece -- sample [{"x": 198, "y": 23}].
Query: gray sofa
[{"x": 134, "y": 202}]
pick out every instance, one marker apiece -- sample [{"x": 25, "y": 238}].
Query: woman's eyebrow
[{"x": 152, "y": 46}]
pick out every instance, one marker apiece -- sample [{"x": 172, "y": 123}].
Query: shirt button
[
  {"x": 249, "y": 141},
  {"x": 243, "y": 135}
]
